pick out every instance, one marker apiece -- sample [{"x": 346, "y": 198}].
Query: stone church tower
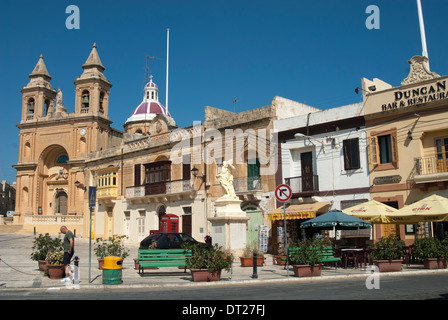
[{"x": 54, "y": 143}]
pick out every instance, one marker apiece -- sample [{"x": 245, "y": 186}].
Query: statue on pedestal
[{"x": 225, "y": 178}]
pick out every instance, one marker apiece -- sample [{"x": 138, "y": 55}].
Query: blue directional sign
[{"x": 92, "y": 196}]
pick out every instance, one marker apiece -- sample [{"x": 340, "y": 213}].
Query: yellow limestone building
[
  {"x": 407, "y": 132},
  {"x": 54, "y": 144}
]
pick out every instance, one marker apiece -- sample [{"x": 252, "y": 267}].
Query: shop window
[{"x": 351, "y": 154}]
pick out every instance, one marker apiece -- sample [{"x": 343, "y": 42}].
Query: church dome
[{"x": 150, "y": 106}]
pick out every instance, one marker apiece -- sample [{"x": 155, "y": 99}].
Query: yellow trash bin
[{"x": 112, "y": 270}]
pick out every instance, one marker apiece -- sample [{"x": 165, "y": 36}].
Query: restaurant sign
[{"x": 411, "y": 97}]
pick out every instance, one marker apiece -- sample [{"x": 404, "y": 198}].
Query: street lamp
[
  {"x": 195, "y": 172},
  {"x": 300, "y": 136},
  {"x": 78, "y": 185}
]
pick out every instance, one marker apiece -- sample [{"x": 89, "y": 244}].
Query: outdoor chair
[{"x": 406, "y": 255}]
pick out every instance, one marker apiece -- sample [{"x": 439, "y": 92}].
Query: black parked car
[{"x": 168, "y": 240}]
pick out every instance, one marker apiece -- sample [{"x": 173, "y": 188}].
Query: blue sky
[{"x": 308, "y": 51}]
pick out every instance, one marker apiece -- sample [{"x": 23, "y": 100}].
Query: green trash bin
[{"x": 112, "y": 270}]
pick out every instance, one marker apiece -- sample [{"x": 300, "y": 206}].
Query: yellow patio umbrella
[
  {"x": 430, "y": 209},
  {"x": 371, "y": 211}
]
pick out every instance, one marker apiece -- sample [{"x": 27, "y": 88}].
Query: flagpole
[
  {"x": 167, "y": 64},
  {"x": 422, "y": 29}
]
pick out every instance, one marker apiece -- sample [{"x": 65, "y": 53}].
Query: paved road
[{"x": 428, "y": 286}]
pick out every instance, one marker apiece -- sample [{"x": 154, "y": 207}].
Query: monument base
[{"x": 229, "y": 225}]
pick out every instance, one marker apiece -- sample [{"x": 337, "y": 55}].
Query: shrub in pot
[
  {"x": 432, "y": 252},
  {"x": 42, "y": 244},
  {"x": 306, "y": 257},
  {"x": 207, "y": 262},
  {"x": 55, "y": 268},
  {"x": 112, "y": 246},
  {"x": 386, "y": 253},
  {"x": 247, "y": 257}
]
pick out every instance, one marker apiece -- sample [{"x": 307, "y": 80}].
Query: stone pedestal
[{"x": 229, "y": 225}]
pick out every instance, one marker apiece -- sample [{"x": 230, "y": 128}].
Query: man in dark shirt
[{"x": 69, "y": 249}]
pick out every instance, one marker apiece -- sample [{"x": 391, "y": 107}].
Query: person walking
[{"x": 68, "y": 244}]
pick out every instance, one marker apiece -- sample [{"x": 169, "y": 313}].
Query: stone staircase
[{"x": 9, "y": 228}]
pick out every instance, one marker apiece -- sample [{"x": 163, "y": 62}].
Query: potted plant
[
  {"x": 112, "y": 246},
  {"x": 432, "y": 252},
  {"x": 306, "y": 257},
  {"x": 386, "y": 253},
  {"x": 247, "y": 258},
  {"x": 42, "y": 244},
  {"x": 280, "y": 258},
  {"x": 206, "y": 262},
  {"x": 55, "y": 268}
]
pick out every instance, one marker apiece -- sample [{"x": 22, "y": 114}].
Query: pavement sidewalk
[{"x": 19, "y": 272}]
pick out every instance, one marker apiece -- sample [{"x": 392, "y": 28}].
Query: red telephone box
[{"x": 169, "y": 223}]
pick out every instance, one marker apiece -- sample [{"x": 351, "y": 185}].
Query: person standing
[{"x": 68, "y": 244}]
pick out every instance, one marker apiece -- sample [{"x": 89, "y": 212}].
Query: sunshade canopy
[
  {"x": 336, "y": 219},
  {"x": 430, "y": 209},
  {"x": 371, "y": 211}
]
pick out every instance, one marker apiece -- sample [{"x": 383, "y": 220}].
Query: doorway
[
  {"x": 390, "y": 229},
  {"x": 255, "y": 221},
  {"x": 60, "y": 202},
  {"x": 306, "y": 162}
]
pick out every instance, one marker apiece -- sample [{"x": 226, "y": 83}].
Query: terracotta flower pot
[
  {"x": 249, "y": 261},
  {"x": 279, "y": 260},
  {"x": 42, "y": 265},
  {"x": 307, "y": 270},
  {"x": 100, "y": 263},
  {"x": 434, "y": 263},
  {"x": 388, "y": 266},
  {"x": 202, "y": 275},
  {"x": 55, "y": 271}
]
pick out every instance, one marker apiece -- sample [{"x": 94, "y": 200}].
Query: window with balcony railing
[{"x": 106, "y": 182}]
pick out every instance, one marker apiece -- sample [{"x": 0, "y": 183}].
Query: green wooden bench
[
  {"x": 162, "y": 258},
  {"x": 327, "y": 253}
]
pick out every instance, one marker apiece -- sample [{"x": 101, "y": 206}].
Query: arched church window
[
  {"x": 31, "y": 106},
  {"x": 46, "y": 106},
  {"x": 62, "y": 159},
  {"x": 85, "y": 101},
  {"x": 101, "y": 101}
]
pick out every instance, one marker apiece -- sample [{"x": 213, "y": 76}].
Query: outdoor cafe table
[{"x": 354, "y": 254}]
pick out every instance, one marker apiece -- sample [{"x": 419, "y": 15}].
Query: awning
[{"x": 299, "y": 211}]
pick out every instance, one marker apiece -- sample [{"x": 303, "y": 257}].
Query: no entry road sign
[{"x": 283, "y": 193}]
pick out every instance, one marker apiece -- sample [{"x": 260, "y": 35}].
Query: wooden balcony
[
  {"x": 106, "y": 193},
  {"x": 156, "y": 189}
]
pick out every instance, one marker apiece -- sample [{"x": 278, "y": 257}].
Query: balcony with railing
[
  {"x": 176, "y": 187},
  {"x": 430, "y": 169},
  {"x": 303, "y": 185},
  {"x": 247, "y": 184}
]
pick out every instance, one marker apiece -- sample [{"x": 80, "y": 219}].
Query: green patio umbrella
[{"x": 337, "y": 220}]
